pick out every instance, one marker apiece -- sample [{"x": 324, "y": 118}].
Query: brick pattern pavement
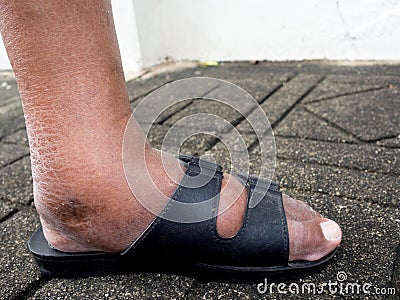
[{"x": 337, "y": 134}]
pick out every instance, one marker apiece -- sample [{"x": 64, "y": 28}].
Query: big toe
[{"x": 312, "y": 239}]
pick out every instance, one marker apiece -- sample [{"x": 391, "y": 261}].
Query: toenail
[{"x": 331, "y": 230}]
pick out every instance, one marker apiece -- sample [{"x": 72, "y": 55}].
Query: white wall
[
  {"x": 4, "y": 62},
  {"x": 151, "y": 30},
  {"x": 125, "y": 26},
  {"x": 266, "y": 29},
  {"x": 128, "y": 40}
]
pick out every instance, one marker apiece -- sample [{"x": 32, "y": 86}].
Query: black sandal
[{"x": 259, "y": 250}]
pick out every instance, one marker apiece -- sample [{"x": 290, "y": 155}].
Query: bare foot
[{"x": 89, "y": 206}]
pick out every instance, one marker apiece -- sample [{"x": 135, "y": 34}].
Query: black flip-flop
[{"x": 192, "y": 246}]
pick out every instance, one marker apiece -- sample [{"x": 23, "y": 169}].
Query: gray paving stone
[
  {"x": 235, "y": 160},
  {"x": 259, "y": 88},
  {"x": 319, "y": 67},
  {"x": 340, "y": 85},
  {"x": 11, "y": 118},
  {"x": 180, "y": 140},
  {"x": 198, "y": 119},
  {"x": 235, "y": 142},
  {"x": 17, "y": 268},
  {"x": 381, "y": 80},
  {"x": 144, "y": 117},
  {"x": 10, "y": 100},
  {"x": 172, "y": 97},
  {"x": 366, "y": 186},
  {"x": 334, "y": 68},
  {"x": 10, "y": 152},
  {"x": 220, "y": 102},
  {"x": 329, "y": 90},
  {"x": 8, "y": 88},
  {"x": 258, "y": 85},
  {"x": 6, "y": 209},
  {"x": 240, "y": 73},
  {"x": 256, "y": 122},
  {"x": 140, "y": 87},
  {"x": 280, "y": 103},
  {"x": 231, "y": 161},
  {"x": 19, "y": 137},
  {"x": 361, "y": 157},
  {"x": 135, "y": 286},
  {"x": 216, "y": 290},
  {"x": 256, "y": 81},
  {"x": 302, "y": 124},
  {"x": 16, "y": 182},
  {"x": 369, "y": 116},
  {"x": 336, "y": 181}
]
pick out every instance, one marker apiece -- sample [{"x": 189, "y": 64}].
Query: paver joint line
[
  {"x": 15, "y": 160},
  {"x": 298, "y": 101},
  {"x": 161, "y": 122},
  {"x": 316, "y": 140},
  {"x": 360, "y": 141},
  {"x": 346, "y": 94},
  {"x": 9, "y": 215}
]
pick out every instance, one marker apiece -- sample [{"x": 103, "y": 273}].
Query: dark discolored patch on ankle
[{"x": 73, "y": 212}]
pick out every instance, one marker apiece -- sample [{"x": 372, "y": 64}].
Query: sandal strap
[
  {"x": 264, "y": 233},
  {"x": 196, "y": 198},
  {"x": 261, "y": 241},
  {"x": 247, "y": 179}
]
